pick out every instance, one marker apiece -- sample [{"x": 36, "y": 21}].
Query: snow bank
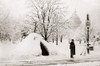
[
  {"x": 62, "y": 49},
  {"x": 30, "y": 46},
  {"x": 6, "y": 50}
]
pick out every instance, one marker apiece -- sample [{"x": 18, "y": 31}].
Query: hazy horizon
[{"x": 18, "y": 9}]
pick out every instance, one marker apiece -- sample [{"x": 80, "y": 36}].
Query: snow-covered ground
[
  {"x": 29, "y": 50},
  {"x": 79, "y": 64},
  {"x": 30, "y": 47}
]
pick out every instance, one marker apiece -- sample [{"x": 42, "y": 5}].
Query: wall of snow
[{"x": 30, "y": 46}]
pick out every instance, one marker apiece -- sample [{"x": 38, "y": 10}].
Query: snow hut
[{"x": 33, "y": 44}]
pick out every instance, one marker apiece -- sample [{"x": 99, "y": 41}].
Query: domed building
[
  {"x": 74, "y": 21},
  {"x": 74, "y": 24}
]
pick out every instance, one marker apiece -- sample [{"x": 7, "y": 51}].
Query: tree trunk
[
  {"x": 53, "y": 40},
  {"x": 46, "y": 38},
  {"x": 56, "y": 39},
  {"x": 35, "y": 27},
  {"x": 61, "y": 38}
]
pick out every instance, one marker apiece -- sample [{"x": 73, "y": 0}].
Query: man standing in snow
[{"x": 72, "y": 48}]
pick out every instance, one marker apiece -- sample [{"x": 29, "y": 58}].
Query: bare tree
[{"x": 46, "y": 14}]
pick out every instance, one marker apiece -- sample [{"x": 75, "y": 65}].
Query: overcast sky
[
  {"x": 17, "y": 8},
  {"x": 92, "y": 7}
]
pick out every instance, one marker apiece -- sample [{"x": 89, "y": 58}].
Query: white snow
[
  {"x": 29, "y": 49},
  {"x": 30, "y": 46}
]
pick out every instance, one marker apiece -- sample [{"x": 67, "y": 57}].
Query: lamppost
[{"x": 88, "y": 28}]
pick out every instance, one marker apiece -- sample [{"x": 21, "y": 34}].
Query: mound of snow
[
  {"x": 60, "y": 49},
  {"x": 30, "y": 46},
  {"x": 6, "y": 50}
]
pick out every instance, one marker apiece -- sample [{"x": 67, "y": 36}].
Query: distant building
[
  {"x": 74, "y": 24},
  {"x": 74, "y": 21}
]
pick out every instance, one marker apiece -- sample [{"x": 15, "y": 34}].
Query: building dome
[{"x": 74, "y": 21}]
